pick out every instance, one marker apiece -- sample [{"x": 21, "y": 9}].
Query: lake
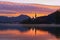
[{"x": 21, "y": 32}]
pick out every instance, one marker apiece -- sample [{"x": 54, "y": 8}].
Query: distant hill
[
  {"x": 18, "y": 19},
  {"x": 53, "y": 18}
]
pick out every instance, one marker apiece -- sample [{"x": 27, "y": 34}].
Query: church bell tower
[{"x": 35, "y": 15}]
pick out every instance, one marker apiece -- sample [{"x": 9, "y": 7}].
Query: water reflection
[
  {"x": 29, "y": 33},
  {"x": 53, "y": 30}
]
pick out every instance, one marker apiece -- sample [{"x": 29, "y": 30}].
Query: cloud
[
  {"x": 46, "y": 2},
  {"x": 22, "y": 8},
  {"x": 7, "y": 11}
]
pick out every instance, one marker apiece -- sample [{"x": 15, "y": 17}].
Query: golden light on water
[{"x": 40, "y": 35}]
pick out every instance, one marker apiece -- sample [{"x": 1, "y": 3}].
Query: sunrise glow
[
  {"x": 46, "y": 2},
  {"x": 47, "y": 8}
]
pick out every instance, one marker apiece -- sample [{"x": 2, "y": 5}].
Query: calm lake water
[{"x": 9, "y": 32}]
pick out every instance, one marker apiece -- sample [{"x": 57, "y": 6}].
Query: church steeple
[{"x": 35, "y": 15}]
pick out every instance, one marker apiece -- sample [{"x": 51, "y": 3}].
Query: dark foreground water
[{"x": 21, "y": 32}]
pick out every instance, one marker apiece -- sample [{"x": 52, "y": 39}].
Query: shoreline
[{"x": 33, "y": 25}]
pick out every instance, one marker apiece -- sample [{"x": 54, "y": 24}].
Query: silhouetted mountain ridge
[
  {"x": 17, "y": 19},
  {"x": 53, "y": 18}
]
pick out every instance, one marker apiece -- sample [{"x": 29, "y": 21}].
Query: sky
[
  {"x": 46, "y": 2},
  {"x": 46, "y": 9}
]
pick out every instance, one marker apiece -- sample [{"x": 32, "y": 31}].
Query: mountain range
[
  {"x": 53, "y": 18},
  {"x": 19, "y": 19}
]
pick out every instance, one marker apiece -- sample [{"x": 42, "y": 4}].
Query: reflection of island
[
  {"x": 24, "y": 19},
  {"x": 22, "y": 29},
  {"x": 53, "y": 30}
]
